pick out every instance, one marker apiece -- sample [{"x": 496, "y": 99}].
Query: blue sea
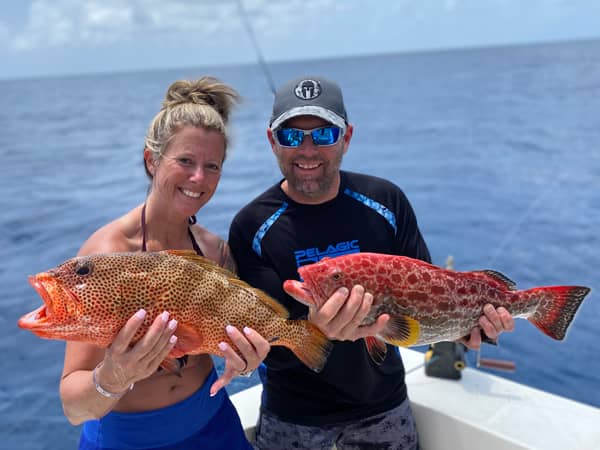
[{"x": 498, "y": 150}]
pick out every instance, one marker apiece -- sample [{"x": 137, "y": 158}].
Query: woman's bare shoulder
[{"x": 120, "y": 235}]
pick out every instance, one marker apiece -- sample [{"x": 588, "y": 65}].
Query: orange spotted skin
[
  {"x": 90, "y": 298},
  {"x": 429, "y": 304}
]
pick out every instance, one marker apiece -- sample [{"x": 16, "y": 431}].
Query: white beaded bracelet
[{"x": 103, "y": 391}]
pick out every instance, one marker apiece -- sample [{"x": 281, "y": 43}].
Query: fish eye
[
  {"x": 337, "y": 276},
  {"x": 84, "y": 268}
]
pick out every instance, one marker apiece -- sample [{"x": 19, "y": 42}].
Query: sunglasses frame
[{"x": 308, "y": 133}]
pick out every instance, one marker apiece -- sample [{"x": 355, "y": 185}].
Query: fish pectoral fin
[
  {"x": 402, "y": 331},
  {"x": 376, "y": 348},
  {"x": 188, "y": 341}
]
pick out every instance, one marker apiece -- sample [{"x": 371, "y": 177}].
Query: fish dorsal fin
[
  {"x": 263, "y": 297},
  {"x": 208, "y": 264},
  {"x": 202, "y": 261},
  {"x": 501, "y": 278}
]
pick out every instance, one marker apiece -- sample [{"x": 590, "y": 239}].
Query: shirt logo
[
  {"x": 308, "y": 89},
  {"x": 315, "y": 254}
]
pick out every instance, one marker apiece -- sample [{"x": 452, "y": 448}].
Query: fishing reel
[{"x": 445, "y": 360}]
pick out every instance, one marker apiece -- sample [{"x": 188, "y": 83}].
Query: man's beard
[{"x": 313, "y": 187}]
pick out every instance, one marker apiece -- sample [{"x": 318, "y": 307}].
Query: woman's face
[{"x": 187, "y": 174}]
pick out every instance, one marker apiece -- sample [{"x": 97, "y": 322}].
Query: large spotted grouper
[
  {"x": 428, "y": 304},
  {"x": 90, "y": 298}
]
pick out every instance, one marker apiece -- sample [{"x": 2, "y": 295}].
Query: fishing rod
[{"x": 261, "y": 60}]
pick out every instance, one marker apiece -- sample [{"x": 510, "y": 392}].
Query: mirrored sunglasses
[{"x": 293, "y": 137}]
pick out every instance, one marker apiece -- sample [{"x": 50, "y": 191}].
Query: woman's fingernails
[
  {"x": 172, "y": 324},
  {"x": 140, "y": 314},
  {"x": 164, "y": 316},
  {"x": 229, "y": 329},
  {"x": 222, "y": 346},
  {"x": 173, "y": 339},
  {"x": 247, "y": 331}
]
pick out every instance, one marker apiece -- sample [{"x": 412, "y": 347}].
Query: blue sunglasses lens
[{"x": 293, "y": 137}]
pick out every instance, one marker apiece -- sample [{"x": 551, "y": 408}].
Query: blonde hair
[{"x": 206, "y": 103}]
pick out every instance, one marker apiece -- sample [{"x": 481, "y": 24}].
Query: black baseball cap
[{"x": 309, "y": 96}]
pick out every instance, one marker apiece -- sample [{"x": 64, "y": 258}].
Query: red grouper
[
  {"x": 428, "y": 304},
  {"x": 90, "y": 298}
]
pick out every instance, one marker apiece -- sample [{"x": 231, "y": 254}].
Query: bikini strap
[
  {"x": 144, "y": 228},
  {"x": 191, "y": 220},
  {"x": 194, "y": 243}
]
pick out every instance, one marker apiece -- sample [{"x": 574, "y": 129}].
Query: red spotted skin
[{"x": 447, "y": 304}]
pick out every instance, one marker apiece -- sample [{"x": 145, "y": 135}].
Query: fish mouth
[
  {"x": 39, "y": 317},
  {"x": 297, "y": 290}
]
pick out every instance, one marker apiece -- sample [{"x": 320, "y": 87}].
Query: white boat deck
[{"x": 480, "y": 411}]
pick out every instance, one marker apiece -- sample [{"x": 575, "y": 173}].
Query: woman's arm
[{"x": 94, "y": 379}]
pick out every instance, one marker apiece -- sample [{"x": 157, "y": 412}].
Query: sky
[{"x": 62, "y": 37}]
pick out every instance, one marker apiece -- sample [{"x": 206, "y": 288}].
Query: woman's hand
[
  {"x": 124, "y": 365},
  {"x": 253, "y": 348}
]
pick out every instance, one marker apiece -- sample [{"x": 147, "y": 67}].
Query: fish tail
[
  {"x": 309, "y": 344},
  {"x": 557, "y": 308}
]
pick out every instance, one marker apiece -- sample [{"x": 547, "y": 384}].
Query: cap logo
[{"x": 308, "y": 89}]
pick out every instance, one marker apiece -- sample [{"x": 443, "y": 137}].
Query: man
[{"x": 317, "y": 210}]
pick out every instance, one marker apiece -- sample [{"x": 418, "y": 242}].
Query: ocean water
[{"x": 498, "y": 150}]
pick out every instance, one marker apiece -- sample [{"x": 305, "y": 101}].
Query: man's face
[{"x": 311, "y": 171}]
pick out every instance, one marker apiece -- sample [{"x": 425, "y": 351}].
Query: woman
[{"x": 120, "y": 393}]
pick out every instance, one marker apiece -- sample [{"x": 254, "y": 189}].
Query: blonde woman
[{"x": 120, "y": 394}]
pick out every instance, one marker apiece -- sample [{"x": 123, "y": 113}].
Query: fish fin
[
  {"x": 188, "y": 341},
  {"x": 263, "y": 297},
  {"x": 557, "y": 310},
  {"x": 376, "y": 348},
  {"x": 500, "y": 278},
  {"x": 207, "y": 264},
  {"x": 309, "y": 344},
  {"x": 171, "y": 365},
  {"x": 402, "y": 331}
]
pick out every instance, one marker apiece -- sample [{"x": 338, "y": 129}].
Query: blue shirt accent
[
  {"x": 260, "y": 234},
  {"x": 374, "y": 205}
]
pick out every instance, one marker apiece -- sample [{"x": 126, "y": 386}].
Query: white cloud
[
  {"x": 278, "y": 24},
  {"x": 74, "y": 23},
  {"x": 81, "y": 23}
]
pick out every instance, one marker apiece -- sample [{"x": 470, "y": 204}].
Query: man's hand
[
  {"x": 340, "y": 317},
  {"x": 493, "y": 322}
]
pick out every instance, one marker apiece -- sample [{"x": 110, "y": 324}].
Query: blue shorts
[{"x": 198, "y": 422}]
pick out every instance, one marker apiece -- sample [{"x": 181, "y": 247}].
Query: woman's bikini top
[{"x": 191, "y": 221}]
